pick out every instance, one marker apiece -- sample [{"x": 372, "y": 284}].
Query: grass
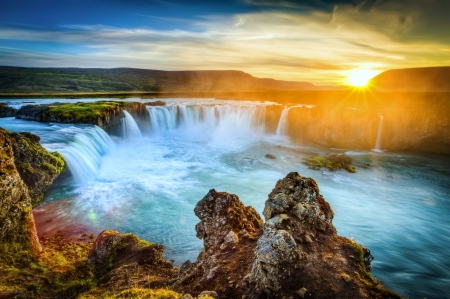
[
  {"x": 136, "y": 293},
  {"x": 84, "y": 112}
]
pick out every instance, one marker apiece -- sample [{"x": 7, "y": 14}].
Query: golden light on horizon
[{"x": 360, "y": 78}]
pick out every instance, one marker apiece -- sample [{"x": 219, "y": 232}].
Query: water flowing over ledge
[{"x": 84, "y": 153}]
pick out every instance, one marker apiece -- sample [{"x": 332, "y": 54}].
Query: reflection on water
[{"x": 396, "y": 204}]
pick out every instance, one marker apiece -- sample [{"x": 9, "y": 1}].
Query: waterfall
[
  {"x": 83, "y": 154},
  {"x": 131, "y": 127},
  {"x": 379, "y": 134},
  {"x": 237, "y": 120},
  {"x": 283, "y": 122}
]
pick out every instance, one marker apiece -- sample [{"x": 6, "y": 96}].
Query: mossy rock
[{"x": 332, "y": 162}]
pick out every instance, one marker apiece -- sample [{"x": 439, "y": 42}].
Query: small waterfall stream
[
  {"x": 379, "y": 134},
  {"x": 131, "y": 128},
  {"x": 282, "y": 128},
  {"x": 83, "y": 154}
]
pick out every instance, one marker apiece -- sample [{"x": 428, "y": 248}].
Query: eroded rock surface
[
  {"x": 123, "y": 260},
  {"x": 229, "y": 230},
  {"x": 37, "y": 167},
  {"x": 16, "y": 220},
  {"x": 296, "y": 253},
  {"x": 6, "y": 111}
]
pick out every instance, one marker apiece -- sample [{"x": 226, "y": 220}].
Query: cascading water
[
  {"x": 379, "y": 134},
  {"x": 131, "y": 128},
  {"x": 83, "y": 154},
  {"x": 283, "y": 123},
  {"x": 217, "y": 120}
]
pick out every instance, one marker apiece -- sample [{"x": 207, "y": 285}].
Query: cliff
[
  {"x": 413, "y": 79},
  {"x": 105, "y": 114}
]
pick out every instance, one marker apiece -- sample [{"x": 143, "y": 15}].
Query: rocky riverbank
[
  {"x": 105, "y": 114},
  {"x": 294, "y": 253}
]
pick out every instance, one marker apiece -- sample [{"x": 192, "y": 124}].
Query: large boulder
[
  {"x": 37, "y": 167},
  {"x": 124, "y": 260},
  {"x": 300, "y": 254},
  {"x": 6, "y": 111},
  {"x": 16, "y": 220},
  {"x": 230, "y": 231}
]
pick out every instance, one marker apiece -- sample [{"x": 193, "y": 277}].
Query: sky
[{"x": 319, "y": 41}]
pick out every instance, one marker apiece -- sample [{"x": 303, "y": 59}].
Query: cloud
[{"x": 318, "y": 45}]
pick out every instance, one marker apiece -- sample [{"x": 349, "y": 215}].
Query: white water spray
[
  {"x": 83, "y": 154},
  {"x": 212, "y": 120},
  {"x": 283, "y": 123},
  {"x": 379, "y": 134},
  {"x": 131, "y": 128}
]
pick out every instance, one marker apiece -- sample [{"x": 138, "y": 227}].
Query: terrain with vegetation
[
  {"x": 283, "y": 256},
  {"x": 63, "y": 80}
]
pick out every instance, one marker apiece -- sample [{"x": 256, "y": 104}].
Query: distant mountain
[
  {"x": 65, "y": 80},
  {"x": 414, "y": 79}
]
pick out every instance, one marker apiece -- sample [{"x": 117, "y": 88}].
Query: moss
[
  {"x": 26, "y": 167},
  {"x": 83, "y": 112},
  {"x": 136, "y": 293},
  {"x": 49, "y": 167},
  {"x": 332, "y": 162},
  {"x": 317, "y": 162}
]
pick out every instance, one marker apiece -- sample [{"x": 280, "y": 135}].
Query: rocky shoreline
[{"x": 294, "y": 253}]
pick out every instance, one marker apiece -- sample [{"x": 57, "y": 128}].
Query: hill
[
  {"x": 63, "y": 80},
  {"x": 414, "y": 79}
]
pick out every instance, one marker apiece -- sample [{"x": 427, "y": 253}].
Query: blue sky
[{"x": 319, "y": 41}]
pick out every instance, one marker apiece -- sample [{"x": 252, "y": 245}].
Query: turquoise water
[{"x": 398, "y": 206}]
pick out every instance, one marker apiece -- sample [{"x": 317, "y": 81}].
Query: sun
[{"x": 360, "y": 78}]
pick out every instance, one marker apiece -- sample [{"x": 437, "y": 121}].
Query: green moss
[
  {"x": 317, "y": 162},
  {"x": 84, "y": 112},
  {"x": 332, "y": 162},
  {"x": 26, "y": 167},
  {"x": 136, "y": 293}
]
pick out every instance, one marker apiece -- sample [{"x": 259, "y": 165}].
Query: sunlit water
[{"x": 398, "y": 206}]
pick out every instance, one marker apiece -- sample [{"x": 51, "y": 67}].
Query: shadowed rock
[
  {"x": 6, "y": 111},
  {"x": 124, "y": 260}
]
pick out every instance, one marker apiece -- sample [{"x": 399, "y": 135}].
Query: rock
[
  {"x": 220, "y": 213},
  {"x": 105, "y": 114},
  {"x": 185, "y": 267},
  {"x": 299, "y": 246},
  {"x": 115, "y": 257},
  {"x": 226, "y": 256},
  {"x": 187, "y": 296},
  {"x": 332, "y": 162},
  {"x": 270, "y": 156},
  {"x": 302, "y": 292},
  {"x": 208, "y": 294},
  {"x": 6, "y": 111},
  {"x": 231, "y": 237},
  {"x": 155, "y": 103},
  {"x": 16, "y": 220},
  {"x": 37, "y": 167}
]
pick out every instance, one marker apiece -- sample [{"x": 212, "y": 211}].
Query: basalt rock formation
[
  {"x": 105, "y": 114},
  {"x": 116, "y": 258},
  {"x": 37, "y": 167},
  {"x": 296, "y": 253},
  {"x": 6, "y": 111},
  {"x": 16, "y": 220},
  {"x": 230, "y": 231}
]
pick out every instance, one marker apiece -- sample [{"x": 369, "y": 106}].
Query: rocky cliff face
[
  {"x": 426, "y": 130},
  {"x": 37, "y": 167},
  {"x": 105, "y": 114},
  {"x": 117, "y": 258},
  {"x": 16, "y": 220},
  {"x": 296, "y": 253}
]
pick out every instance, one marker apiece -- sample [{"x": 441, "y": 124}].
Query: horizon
[{"x": 322, "y": 42}]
